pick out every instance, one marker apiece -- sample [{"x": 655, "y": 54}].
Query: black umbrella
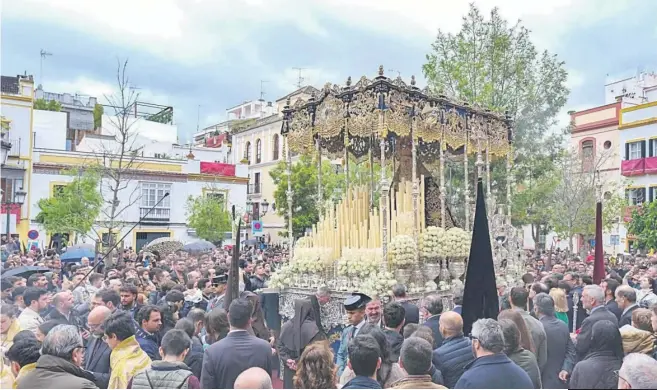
[{"x": 24, "y": 271}]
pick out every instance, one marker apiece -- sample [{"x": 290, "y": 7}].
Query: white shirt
[{"x": 359, "y": 326}]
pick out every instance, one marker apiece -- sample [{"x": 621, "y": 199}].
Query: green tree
[
  {"x": 495, "y": 64},
  {"x": 98, "y": 116},
  {"x": 644, "y": 225},
  {"x": 74, "y": 207},
  {"x": 209, "y": 217},
  {"x": 50, "y": 105}
]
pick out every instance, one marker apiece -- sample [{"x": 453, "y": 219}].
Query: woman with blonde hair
[
  {"x": 560, "y": 304},
  {"x": 316, "y": 368}
]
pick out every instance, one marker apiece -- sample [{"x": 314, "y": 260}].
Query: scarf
[
  {"x": 126, "y": 361},
  {"x": 24, "y": 370},
  {"x": 8, "y": 338}
]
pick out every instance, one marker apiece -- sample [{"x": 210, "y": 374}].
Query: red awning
[
  {"x": 215, "y": 168},
  {"x": 633, "y": 167}
]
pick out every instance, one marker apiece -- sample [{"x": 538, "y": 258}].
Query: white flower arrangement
[
  {"x": 284, "y": 277},
  {"x": 402, "y": 251},
  {"x": 311, "y": 260},
  {"x": 457, "y": 242},
  {"x": 377, "y": 284},
  {"x": 430, "y": 286},
  {"x": 359, "y": 262},
  {"x": 431, "y": 242}
]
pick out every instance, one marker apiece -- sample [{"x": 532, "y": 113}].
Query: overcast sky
[{"x": 214, "y": 53}]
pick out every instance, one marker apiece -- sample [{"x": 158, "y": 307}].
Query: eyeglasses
[{"x": 617, "y": 373}]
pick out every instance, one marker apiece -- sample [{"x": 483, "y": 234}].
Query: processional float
[{"x": 397, "y": 228}]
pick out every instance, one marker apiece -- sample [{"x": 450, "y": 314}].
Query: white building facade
[{"x": 159, "y": 167}]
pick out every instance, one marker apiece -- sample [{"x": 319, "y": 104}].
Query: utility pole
[
  {"x": 262, "y": 89},
  {"x": 300, "y": 79},
  {"x": 43, "y": 54}
]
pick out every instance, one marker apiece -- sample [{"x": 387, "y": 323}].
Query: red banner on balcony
[
  {"x": 14, "y": 209},
  {"x": 633, "y": 167},
  {"x": 215, "y": 141},
  {"x": 214, "y": 168},
  {"x": 651, "y": 165}
]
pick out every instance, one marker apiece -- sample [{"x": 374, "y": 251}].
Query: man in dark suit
[
  {"x": 433, "y": 304},
  {"x": 97, "y": 352},
  {"x": 225, "y": 360},
  {"x": 626, "y": 299},
  {"x": 560, "y": 348},
  {"x": 458, "y": 301},
  {"x": 610, "y": 286},
  {"x": 593, "y": 299},
  {"x": 412, "y": 311}
]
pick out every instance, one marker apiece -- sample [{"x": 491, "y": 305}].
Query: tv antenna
[
  {"x": 300, "y": 79},
  {"x": 262, "y": 89},
  {"x": 43, "y": 55}
]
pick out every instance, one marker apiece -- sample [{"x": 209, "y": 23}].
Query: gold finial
[
  {"x": 349, "y": 81},
  {"x": 380, "y": 70},
  {"x": 288, "y": 101},
  {"x": 413, "y": 80}
]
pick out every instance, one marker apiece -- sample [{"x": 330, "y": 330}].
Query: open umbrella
[
  {"x": 76, "y": 252},
  {"x": 251, "y": 241},
  {"x": 163, "y": 245},
  {"x": 199, "y": 246},
  {"x": 24, "y": 271}
]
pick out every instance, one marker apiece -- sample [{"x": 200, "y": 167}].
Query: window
[
  {"x": 219, "y": 196},
  {"x": 652, "y": 147},
  {"x": 258, "y": 151},
  {"x": 58, "y": 190},
  {"x": 587, "y": 154},
  {"x": 652, "y": 193},
  {"x": 151, "y": 193},
  {"x": 275, "y": 147},
  {"x": 636, "y": 196},
  {"x": 607, "y": 144},
  {"x": 634, "y": 150},
  {"x": 247, "y": 152},
  {"x": 9, "y": 188}
]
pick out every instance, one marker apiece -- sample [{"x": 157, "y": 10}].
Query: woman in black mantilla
[{"x": 297, "y": 333}]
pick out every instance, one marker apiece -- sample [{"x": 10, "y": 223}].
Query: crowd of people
[{"x": 161, "y": 322}]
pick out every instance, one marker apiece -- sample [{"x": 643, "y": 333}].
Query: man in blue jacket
[
  {"x": 456, "y": 350},
  {"x": 150, "y": 322},
  {"x": 491, "y": 369}
]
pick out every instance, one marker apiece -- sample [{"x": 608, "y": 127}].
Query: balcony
[
  {"x": 633, "y": 167},
  {"x": 254, "y": 189},
  {"x": 14, "y": 209},
  {"x": 157, "y": 215},
  {"x": 219, "y": 169},
  {"x": 650, "y": 165},
  {"x": 15, "y": 148}
]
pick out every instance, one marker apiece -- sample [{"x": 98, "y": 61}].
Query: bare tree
[
  {"x": 574, "y": 197},
  {"x": 119, "y": 156}
]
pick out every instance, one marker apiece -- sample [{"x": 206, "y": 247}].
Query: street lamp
[{"x": 18, "y": 199}]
